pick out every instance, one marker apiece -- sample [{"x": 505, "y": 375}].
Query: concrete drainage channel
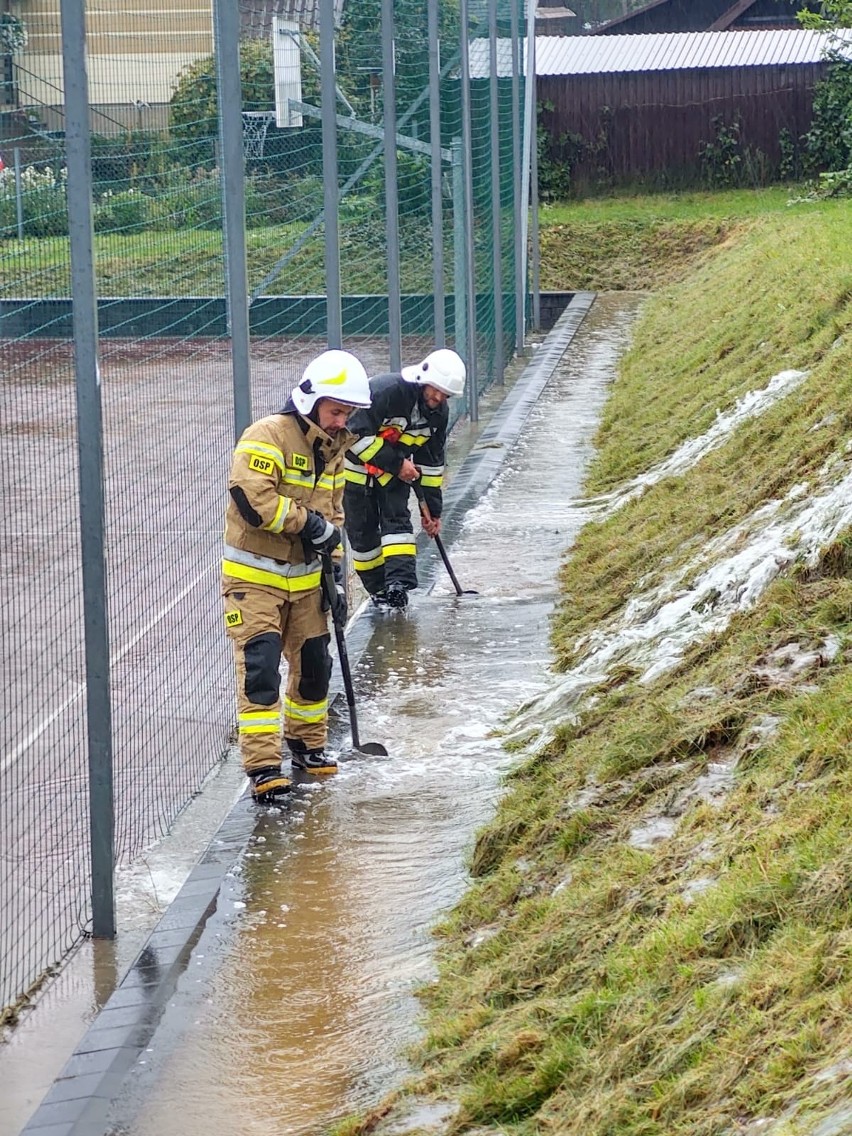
[{"x": 79, "y": 1100}]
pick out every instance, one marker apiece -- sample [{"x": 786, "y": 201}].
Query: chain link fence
[{"x": 122, "y": 739}]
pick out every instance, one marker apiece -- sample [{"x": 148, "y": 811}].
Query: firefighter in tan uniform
[{"x": 284, "y": 514}]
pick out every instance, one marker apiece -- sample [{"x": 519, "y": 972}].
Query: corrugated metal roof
[
  {"x": 668, "y": 51},
  {"x": 256, "y": 15},
  {"x": 672, "y": 51}
]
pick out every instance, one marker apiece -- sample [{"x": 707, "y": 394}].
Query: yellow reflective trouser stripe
[
  {"x": 433, "y": 482},
  {"x": 367, "y": 452},
  {"x": 259, "y": 722},
  {"x": 357, "y": 478},
  {"x": 277, "y": 522},
  {"x": 306, "y": 711},
  {"x": 384, "y": 478},
  {"x": 366, "y": 565},
  {"x": 272, "y": 579},
  {"x": 400, "y": 550},
  {"x": 261, "y": 450}
]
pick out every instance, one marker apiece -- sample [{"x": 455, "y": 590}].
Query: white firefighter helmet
[
  {"x": 333, "y": 374},
  {"x": 443, "y": 369}
]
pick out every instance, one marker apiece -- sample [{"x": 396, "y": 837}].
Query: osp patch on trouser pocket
[
  {"x": 256, "y": 640},
  {"x": 233, "y": 611},
  {"x": 234, "y": 618},
  {"x": 262, "y": 658}
]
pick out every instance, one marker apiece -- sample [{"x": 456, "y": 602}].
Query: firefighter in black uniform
[{"x": 401, "y": 438}]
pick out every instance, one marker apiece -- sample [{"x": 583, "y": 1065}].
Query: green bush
[
  {"x": 835, "y": 183},
  {"x": 127, "y": 160},
  {"x": 722, "y": 156},
  {"x": 829, "y": 140},
  {"x": 44, "y": 207},
  {"x": 188, "y": 199},
  {"x": 193, "y": 110},
  {"x": 414, "y": 185},
  {"x": 272, "y": 200},
  {"x": 791, "y": 165},
  {"x": 128, "y": 211}
]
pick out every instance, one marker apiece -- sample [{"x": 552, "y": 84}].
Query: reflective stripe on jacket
[{"x": 282, "y": 466}]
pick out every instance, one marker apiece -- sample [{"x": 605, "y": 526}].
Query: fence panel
[
  {"x": 167, "y": 375},
  {"x": 168, "y": 424}
]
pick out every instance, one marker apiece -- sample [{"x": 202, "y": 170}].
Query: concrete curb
[{"x": 77, "y": 1104}]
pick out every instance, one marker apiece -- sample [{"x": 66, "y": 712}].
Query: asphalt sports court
[{"x": 168, "y": 435}]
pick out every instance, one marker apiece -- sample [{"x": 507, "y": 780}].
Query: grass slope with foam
[{"x": 595, "y": 986}]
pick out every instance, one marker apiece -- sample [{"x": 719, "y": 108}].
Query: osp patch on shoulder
[
  {"x": 233, "y": 618},
  {"x": 300, "y": 461},
  {"x": 261, "y": 465}
]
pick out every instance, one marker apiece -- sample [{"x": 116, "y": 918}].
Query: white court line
[{"x": 10, "y": 758}]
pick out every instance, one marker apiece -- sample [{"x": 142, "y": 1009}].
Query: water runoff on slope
[
  {"x": 727, "y": 575},
  {"x": 299, "y": 999}
]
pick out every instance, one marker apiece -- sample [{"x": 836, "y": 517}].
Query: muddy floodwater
[{"x": 299, "y": 1000}]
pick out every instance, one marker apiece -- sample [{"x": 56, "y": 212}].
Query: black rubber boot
[
  {"x": 397, "y": 595},
  {"x": 269, "y": 783},
  {"x": 379, "y": 599},
  {"x": 310, "y": 760}
]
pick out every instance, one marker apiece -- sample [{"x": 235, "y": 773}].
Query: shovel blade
[{"x": 372, "y": 749}]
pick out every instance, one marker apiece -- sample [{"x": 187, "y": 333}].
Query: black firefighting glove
[
  {"x": 340, "y": 608},
  {"x": 319, "y": 535}
]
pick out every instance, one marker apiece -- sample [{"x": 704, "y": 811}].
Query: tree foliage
[
  {"x": 359, "y": 50},
  {"x": 193, "y": 110},
  {"x": 835, "y": 14},
  {"x": 829, "y": 140}
]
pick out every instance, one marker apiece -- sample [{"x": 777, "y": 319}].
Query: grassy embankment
[
  {"x": 190, "y": 262},
  {"x": 616, "y": 246},
  {"x": 591, "y": 987}
]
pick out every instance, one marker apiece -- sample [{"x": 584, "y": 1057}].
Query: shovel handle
[
  {"x": 328, "y": 587},
  {"x": 427, "y": 516}
]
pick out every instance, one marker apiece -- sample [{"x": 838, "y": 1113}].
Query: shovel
[
  {"x": 427, "y": 516},
  {"x": 328, "y": 587}
]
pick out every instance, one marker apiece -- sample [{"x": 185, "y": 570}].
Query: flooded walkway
[{"x": 299, "y": 999}]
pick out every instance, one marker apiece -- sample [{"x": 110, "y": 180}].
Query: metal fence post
[
  {"x": 529, "y": 141},
  {"x": 496, "y": 205},
  {"x": 516, "y": 176},
  {"x": 229, "y": 88},
  {"x": 437, "y": 201},
  {"x": 331, "y": 189},
  {"x": 19, "y": 194},
  {"x": 534, "y": 233},
  {"x": 459, "y": 241},
  {"x": 467, "y": 184},
  {"x": 91, "y": 472},
  {"x": 391, "y": 187}
]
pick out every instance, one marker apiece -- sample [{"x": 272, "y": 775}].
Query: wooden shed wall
[{"x": 656, "y": 120}]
